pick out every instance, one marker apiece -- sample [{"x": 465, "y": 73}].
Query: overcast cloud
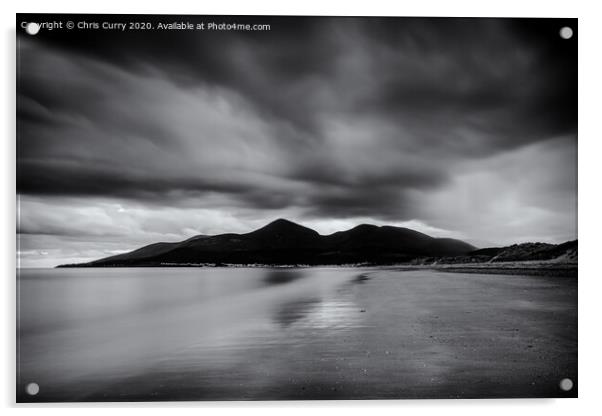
[{"x": 464, "y": 128}]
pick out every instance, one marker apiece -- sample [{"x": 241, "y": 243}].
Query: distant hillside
[
  {"x": 565, "y": 253},
  {"x": 283, "y": 242}
]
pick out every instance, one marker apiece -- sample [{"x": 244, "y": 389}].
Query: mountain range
[{"x": 284, "y": 242}]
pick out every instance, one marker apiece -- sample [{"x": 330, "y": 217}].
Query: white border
[{"x": 590, "y": 209}]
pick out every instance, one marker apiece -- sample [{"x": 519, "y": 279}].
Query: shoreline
[
  {"x": 513, "y": 268},
  {"x": 531, "y": 268}
]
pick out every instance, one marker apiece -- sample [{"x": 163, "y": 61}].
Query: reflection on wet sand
[
  {"x": 336, "y": 311},
  {"x": 282, "y": 276},
  {"x": 361, "y": 278},
  {"x": 290, "y": 312}
]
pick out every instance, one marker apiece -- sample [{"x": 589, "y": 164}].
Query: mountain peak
[
  {"x": 365, "y": 227},
  {"x": 285, "y": 226},
  {"x": 282, "y": 222}
]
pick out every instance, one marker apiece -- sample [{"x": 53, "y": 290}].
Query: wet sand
[{"x": 287, "y": 335}]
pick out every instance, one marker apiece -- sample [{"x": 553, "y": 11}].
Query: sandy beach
[{"x": 261, "y": 334}]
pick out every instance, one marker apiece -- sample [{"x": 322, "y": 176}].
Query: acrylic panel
[{"x": 295, "y": 207}]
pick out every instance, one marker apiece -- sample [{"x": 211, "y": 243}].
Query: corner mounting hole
[
  {"x": 566, "y": 32},
  {"x": 32, "y": 28},
  {"x": 566, "y": 384},
  {"x": 32, "y": 389}
]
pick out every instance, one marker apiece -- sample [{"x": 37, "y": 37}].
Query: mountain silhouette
[{"x": 284, "y": 242}]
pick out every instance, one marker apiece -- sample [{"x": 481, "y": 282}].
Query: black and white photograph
[{"x": 268, "y": 208}]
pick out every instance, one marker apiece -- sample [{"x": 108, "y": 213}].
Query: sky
[{"x": 463, "y": 128}]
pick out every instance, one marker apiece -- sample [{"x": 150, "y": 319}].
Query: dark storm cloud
[
  {"x": 257, "y": 64},
  {"x": 425, "y": 64},
  {"x": 506, "y": 76},
  {"x": 95, "y": 181},
  {"x": 335, "y": 117}
]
